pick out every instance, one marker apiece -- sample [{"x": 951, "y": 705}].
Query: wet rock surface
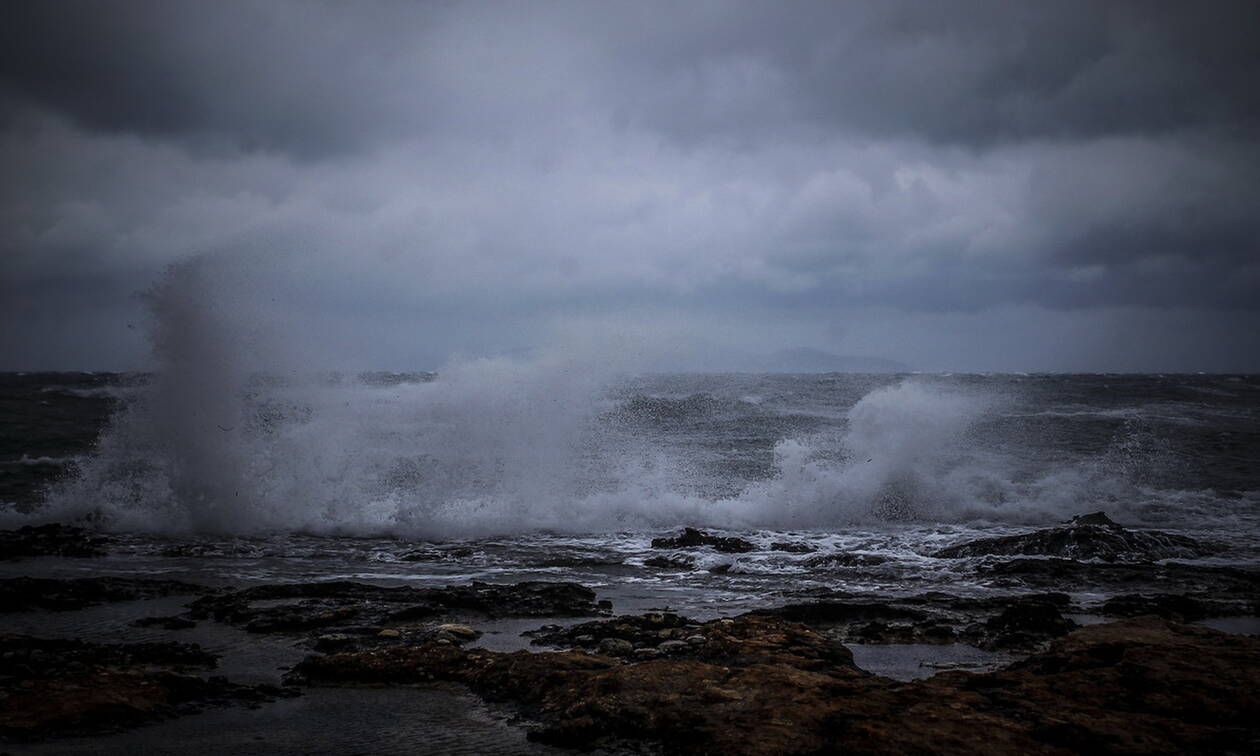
[
  {"x": 1022, "y": 622},
  {"x": 50, "y": 540},
  {"x": 692, "y": 538},
  {"x": 1092, "y": 536},
  {"x": 1171, "y": 577},
  {"x": 59, "y": 687},
  {"x": 769, "y": 686},
  {"x": 26, "y": 593},
  {"x": 741, "y": 641},
  {"x": 365, "y": 609}
]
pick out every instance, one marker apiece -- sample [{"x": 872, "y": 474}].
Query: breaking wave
[{"x": 228, "y": 438}]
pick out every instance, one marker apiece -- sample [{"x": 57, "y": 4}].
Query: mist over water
[{"x": 237, "y": 433}]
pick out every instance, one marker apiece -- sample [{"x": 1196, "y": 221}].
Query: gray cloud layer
[{"x": 963, "y": 185}]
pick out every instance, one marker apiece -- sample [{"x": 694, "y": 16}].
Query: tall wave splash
[{"x": 231, "y": 437}]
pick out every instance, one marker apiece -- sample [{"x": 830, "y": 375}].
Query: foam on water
[{"x": 235, "y": 436}]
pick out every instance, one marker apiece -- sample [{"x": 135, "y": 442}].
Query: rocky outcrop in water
[
  {"x": 768, "y": 687},
  {"x": 59, "y": 687},
  {"x": 50, "y": 540},
  {"x": 692, "y": 538},
  {"x": 1093, "y": 536},
  {"x": 26, "y": 593}
]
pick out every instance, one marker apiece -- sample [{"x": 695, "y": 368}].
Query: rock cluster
[
  {"x": 692, "y": 538},
  {"x": 759, "y": 685}
]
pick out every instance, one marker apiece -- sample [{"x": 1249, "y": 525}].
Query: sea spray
[{"x": 236, "y": 433}]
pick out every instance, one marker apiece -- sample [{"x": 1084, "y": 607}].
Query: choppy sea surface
[{"x": 499, "y": 471}]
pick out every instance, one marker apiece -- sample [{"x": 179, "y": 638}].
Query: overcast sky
[{"x": 954, "y": 185}]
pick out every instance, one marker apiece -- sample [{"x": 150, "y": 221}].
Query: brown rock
[{"x": 764, "y": 686}]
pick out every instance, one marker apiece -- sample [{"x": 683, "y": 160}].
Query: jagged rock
[
  {"x": 1092, "y": 536},
  {"x": 26, "y": 593},
  {"x": 1134, "y": 687},
  {"x": 50, "y": 540},
  {"x": 692, "y": 538}
]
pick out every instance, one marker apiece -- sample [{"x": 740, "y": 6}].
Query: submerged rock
[
  {"x": 26, "y": 593},
  {"x": 50, "y": 540},
  {"x": 1134, "y": 687},
  {"x": 692, "y": 538},
  {"x": 1092, "y": 536}
]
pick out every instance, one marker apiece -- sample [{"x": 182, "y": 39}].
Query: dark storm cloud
[
  {"x": 313, "y": 77},
  {"x": 256, "y": 75},
  {"x": 461, "y": 176}
]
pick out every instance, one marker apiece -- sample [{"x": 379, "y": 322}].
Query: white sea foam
[{"x": 231, "y": 437}]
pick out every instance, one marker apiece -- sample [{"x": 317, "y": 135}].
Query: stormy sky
[{"x": 1039, "y": 186}]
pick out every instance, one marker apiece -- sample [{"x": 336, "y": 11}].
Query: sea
[{"x": 506, "y": 470}]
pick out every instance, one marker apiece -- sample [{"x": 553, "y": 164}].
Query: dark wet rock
[
  {"x": 166, "y": 623},
  {"x": 844, "y": 559},
  {"x": 1177, "y": 607},
  {"x": 24, "y": 657},
  {"x": 615, "y": 647},
  {"x": 671, "y": 562},
  {"x": 739, "y": 641},
  {"x": 59, "y": 687},
  {"x": 1134, "y": 687},
  {"x": 26, "y": 593},
  {"x": 1025, "y": 624},
  {"x": 1092, "y": 536},
  {"x": 692, "y": 538},
  {"x": 639, "y": 630},
  {"x": 1001, "y": 622},
  {"x": 792, "y": 547},
  {"x": 1066, "y": 574},
  {"x": 50, "y": 540},
  {"x": 335, "y": 605}
]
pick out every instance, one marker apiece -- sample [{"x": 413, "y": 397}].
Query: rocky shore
[{"x": 1124, "y": 675}]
